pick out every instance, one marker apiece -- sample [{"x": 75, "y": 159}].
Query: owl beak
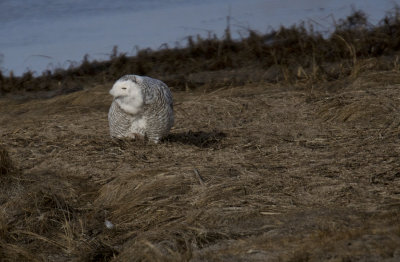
[{"x": 112, "y": 92}]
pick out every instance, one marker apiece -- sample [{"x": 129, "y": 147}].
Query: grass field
[{"x": 277, "y": 163}]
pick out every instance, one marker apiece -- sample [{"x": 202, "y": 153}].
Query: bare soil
[{"x": 254, "y": 172}]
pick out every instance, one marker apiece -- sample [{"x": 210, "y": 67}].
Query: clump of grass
[
  {"x": 43, "y": 213},
  {"x": 6, "y": 166}
]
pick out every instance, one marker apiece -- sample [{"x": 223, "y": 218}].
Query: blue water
[
  {"x": 47, "y": 34},
  {"x": 27, "y": 10}
]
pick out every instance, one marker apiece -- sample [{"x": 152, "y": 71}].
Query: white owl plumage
[{"x": 142, "y": 106}]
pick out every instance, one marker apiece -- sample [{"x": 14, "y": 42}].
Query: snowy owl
[{"x": 142, "y": 106}]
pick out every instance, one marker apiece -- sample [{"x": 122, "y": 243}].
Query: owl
[{"x": 142, "y": 107}]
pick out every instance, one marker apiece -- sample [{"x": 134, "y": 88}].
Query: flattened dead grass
[{"x": 258, "y": 172}]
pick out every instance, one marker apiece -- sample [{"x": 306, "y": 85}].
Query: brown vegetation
[
  {"x": 5, "y": 162},
  {"x": 291, "y": 54},
  {"x": 302, "y": 168}
]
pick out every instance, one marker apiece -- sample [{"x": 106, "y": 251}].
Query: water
[{"x": 47, "y": 34}]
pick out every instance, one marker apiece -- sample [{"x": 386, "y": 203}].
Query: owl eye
[{"x": 123, "y": 88}]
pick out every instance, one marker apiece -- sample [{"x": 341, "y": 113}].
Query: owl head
[{"x": 127, "y": 92}]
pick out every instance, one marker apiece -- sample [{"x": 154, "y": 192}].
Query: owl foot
[
  {"x": 155, "y": 140},
  {"x": 135, "y": 136}
]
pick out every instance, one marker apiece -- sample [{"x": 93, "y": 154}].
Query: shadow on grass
[{"x": 197, "y": 138}]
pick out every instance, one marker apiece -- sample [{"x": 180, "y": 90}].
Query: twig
[{"x": 201, "y": 180}]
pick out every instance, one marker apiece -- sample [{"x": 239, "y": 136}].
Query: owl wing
[
  {"x": 155, "y": 90},
  {"x": 166, "y": 93}
]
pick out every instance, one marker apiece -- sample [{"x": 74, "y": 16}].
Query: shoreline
[
  {"x": 295, "y": 54},
  {"x": 56, "y": 44}
]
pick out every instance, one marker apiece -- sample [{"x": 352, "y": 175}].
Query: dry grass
[
  {"x": 257, "y": 172},
  {"x": 6, "y": 166}
]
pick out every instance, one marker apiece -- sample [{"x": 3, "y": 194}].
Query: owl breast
[{"x": 119, "y": 121}]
